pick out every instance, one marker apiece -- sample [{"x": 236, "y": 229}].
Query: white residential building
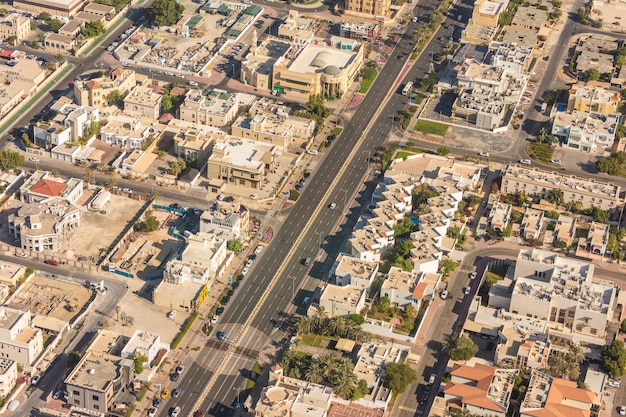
[
  {"x": 348, "y": 270},
  {"x": 563, "y": 293},
  {"x": 218, "y": 108},
  {"x": 342, "y": 301},
  {"x": 144, "y": 343},
  {"x": 8, "y": 376},
  {"x": 127, "y": 131},
  {"x": 587, "y": 132},
  {"x": 19, "y": 340}
]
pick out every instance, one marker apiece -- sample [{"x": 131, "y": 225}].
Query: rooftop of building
[
  {"x": 594, "y": 93},
  {"x": 241, "y": 152},
  {"x": 347, "y": 295},
  {"x": 555, "y": 396},
  {"x": 400, "y": 280},
  {"x": 555, "y": 179},
  {"x": 143, "y": 95},
  {"x": 95, "y": 371},
  {"x": 312, "y": 58},
  {"x": 356, "y": 268}
]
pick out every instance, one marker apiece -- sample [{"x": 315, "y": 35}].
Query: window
[
  {"x": 75, "y": 392},
  {"x": 96, "y": 407},
  {"x": 95, "y": 397}
]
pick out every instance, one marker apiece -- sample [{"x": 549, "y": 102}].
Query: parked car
[
  {"x": 431, "y": 379},
  {"x": 152, "y": 412},
  {"x": 157, "y": 402},
  {"x": 180, "y": 369},
  {"x": 35, "y": 380},
  {"x": 53, "y": 262},
  {"x": 215, "y": 319},
  {"x": 467, "y": 290},
  {"x": 556, "y": 161},
  {"x": 444, "y": 294},
  {"x": 176, "y": 393},
  {"x": 473, "y": 275},
  {"x": 485, "y": 154},
  {"x": 33, "y": 159},
  {"x": 175, "y": 412},
  {"x": 525, "y": 161},
  {"x": 165, "y": 393},
  {"x": 171, "y": 314}
]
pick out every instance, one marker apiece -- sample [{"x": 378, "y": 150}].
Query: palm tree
[
  {"x": 336, "y": 325},
  {"x": 344, "y": 382},
  {"x": 558, "y": 365},
  {"x": 315, "y": 373},
  {"x": 573, "y": 371},
  {"x": 318, "y": 321},
  {"x": 288, "y": 357},
  {"x": 575, "y": 354},
  {"x": 304, "y": 325}
]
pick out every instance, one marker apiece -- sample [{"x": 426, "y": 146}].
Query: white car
[
  {"x": 258, "y": 249},
  {"x": 415, "y": 19},
  {"x": 245, "y": 270},
  {"x": 193, "y": 83},
  {"x": 175, "y": 412},
  {"x": 21, "y": 255},
  {"x": 332, "y": 206},
  {"x": 152, "y": 412},
  {"x": 254, "y": 196},
  {"x": 525, "y": 161},
  {"x": 467, "y": 290},
  {"x": 171, "y": 314},
  {"x": 249, "y": 263},
  {"x": 33, "y": 159},
  {"x": 622, "y": 410},
  {"x": 214, "y": 319},
  {"x": 444, "y": 294},
  {"x": 220, "y": 197},
  {"x": 485, "y": 154},
  {"x": 127, "y": 190},
  {"x": 473, "y": 275},
  {"x": 556, "y": 161},
  {"x": 312, "y": 152},
  {"x": 35, "y": 380}
]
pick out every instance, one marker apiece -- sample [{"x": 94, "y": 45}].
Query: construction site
[
  {"x": 144, "y": 254},
  {"x": 48, "y": 297}
]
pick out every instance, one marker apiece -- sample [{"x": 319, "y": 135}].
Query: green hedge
[{"x": 183, "y": 332}]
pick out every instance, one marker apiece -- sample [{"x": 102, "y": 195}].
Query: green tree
[
  {"x": 73, "y": 358},
  {"x": 614, "y": 358},
  {"x": 443, "y": 151},
  {"x": 582, "y": 16},
  {"x": 55, "y": 25},
  {"x": 167, "y": 104},
  {"x": 116, "y": 98},
  {"x": 360, "y": 391},
  {"x": 93, "y": 29},
  {"x": 317, "y": 107},
  {"x": 166, "y": 12},
  {"x": 377, "y": 284},
  {"x": 398, "y": 376},
  {"x": 357, "y": 319},
  {"x": 555, "y": 196},
  {"x": 592, "y": 74},
  {"x": 383, "y": 304},
  {"x": 11, "y": 159},
  {"x": 460, "y": 348},
  {"x": 149, "y": 225},
  {"x": 28, "y": 272},
  {"x": 507, "y": 231},
  {"x": 139, "y": 359},
  {"x": 622, "y": 327},
  {"x": 234, "y": 245}
]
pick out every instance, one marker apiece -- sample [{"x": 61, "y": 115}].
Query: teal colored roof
[{"x": 253, "y": 10}]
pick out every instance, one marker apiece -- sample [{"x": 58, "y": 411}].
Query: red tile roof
[
  {"x": 476, "y": 394},
  {"x": 418, "y": 291},
  {"x": 92, "y": 85},
  {"x": 118, "y": 71},
  {"x": 48, "y": 187}
]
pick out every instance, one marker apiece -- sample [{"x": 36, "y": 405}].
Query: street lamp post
[{"x": 238, "y": 403}]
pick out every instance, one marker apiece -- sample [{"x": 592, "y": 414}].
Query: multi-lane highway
[{"x": 279, "y": 280}]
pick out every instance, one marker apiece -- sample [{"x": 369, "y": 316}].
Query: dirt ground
[
  {"x": 97, "y": 230},
  {"x": 52, "y": 298}
]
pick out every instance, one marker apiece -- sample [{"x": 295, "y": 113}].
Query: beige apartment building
[
  {"x": 14, "y": 25},
  {"x": 94, "y": 92},
  {"x": 370, "y": 8},
  {"x": 538, "y": 182},
  {"x": 242, "y": 162},
  {"x": 63, "y": 8},
  {"x": 487, "y": 13},
  {"x": 587, "y": 99},
  {"x": 144, "y": 102},
  {"x": 218, "y": 108}
]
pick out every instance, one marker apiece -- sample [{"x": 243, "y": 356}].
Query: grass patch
[
  {"x": 494, "y": 275},
  {"x": 368, "y": 80},
  {"x": 316, "y": 340},
  {"x": 336, "y": 131},
  {"x": 540, "y": 151},
  {"x": 582, "y": 233},
  {"x": 131, "y": 410},
  {"x": 293, "y": 195},
  {"x": 433, "y": 128},
  {"x": 250, "y": 384},
  {"x": 257, "y": 368},
  {"x": 419, "y": 97},
  {"x": 188, "y": 323},
  {"x": 404, "y": 154}
]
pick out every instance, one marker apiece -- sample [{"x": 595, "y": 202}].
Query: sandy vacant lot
[
  {"x": 97, "y": 230},
  {"x": 51, "y": 298}
]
